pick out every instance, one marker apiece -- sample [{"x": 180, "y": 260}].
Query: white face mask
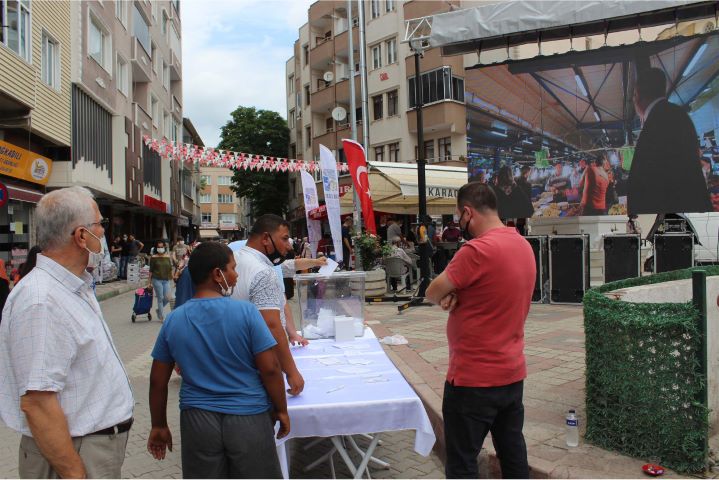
[
  {"x": 95, "y": 258},
  {"x": 226, "y": 290},
  {"x": 161, "y": 250}
]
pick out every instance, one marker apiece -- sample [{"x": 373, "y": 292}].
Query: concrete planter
[{"x": 375, "y": 284}]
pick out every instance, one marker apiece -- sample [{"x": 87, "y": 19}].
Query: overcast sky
[{"x": 234, "y": 54}]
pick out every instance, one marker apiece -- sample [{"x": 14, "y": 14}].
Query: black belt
[{"x": 119, "y": 428}]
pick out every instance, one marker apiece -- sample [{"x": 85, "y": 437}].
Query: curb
[{"x": 119, "y": 290}]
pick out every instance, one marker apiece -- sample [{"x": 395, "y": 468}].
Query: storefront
[{"x": 24, "y": 175}]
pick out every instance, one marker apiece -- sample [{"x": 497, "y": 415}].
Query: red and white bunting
[{"x": 209, "y": 157}]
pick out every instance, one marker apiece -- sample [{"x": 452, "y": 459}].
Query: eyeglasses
[{"x": 104, "y": 222}]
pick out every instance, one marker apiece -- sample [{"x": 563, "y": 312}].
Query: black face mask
[
  {"x": 465, "y": 230},
  {"x": 275, "y": 257}
]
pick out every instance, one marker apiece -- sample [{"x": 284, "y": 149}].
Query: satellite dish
[
  {"x": 339, "y": 113},
  {"x": 328, "y": 76}
]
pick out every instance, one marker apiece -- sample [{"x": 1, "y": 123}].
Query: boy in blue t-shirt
[{"x": 232, "y": 385}]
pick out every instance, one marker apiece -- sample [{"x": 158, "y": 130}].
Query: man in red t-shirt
[{"x": 487, "y": 289}]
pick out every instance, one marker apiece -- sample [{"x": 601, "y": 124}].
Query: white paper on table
[{"x": 329, "y": 268}]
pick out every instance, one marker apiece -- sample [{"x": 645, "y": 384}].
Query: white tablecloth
[{"x": 353, "y": 388}]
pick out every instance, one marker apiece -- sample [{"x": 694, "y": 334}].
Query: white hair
[{"x": 59, "y": 212}]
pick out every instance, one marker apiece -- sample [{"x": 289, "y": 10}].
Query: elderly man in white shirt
[{"x": 62, "y": 383}]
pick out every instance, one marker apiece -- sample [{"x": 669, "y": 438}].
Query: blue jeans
[
  {"x": 123, "y": 267},
  {"x": 162, "y": 293}
]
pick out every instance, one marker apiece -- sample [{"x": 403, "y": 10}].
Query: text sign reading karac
[{"x": 24, "y": 164}]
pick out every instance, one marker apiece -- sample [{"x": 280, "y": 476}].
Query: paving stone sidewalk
[{"x": 555, "y": 384}]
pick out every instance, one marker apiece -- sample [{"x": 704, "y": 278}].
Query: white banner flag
[
  {"x": 314, "y": 227},
  {"x": 332, "y": 197}
]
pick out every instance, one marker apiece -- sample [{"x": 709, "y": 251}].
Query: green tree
[{"x": 260, "y": 132}]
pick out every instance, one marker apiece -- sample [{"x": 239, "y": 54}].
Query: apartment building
[
  {"x": 223, "y": 214},
  {"x": 35, "y": 120},
  {"x": 188, "y": 223},
  {"x": 125, "y": 83},
  {"x": 318, "y": 76}
]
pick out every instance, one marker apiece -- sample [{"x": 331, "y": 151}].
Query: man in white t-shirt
[{"x": 258, "y": 283}]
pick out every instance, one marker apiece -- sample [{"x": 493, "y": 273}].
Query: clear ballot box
[{"x": 329, "y": 300}]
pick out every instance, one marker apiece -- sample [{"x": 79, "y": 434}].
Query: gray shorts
[{"x": 218, "y": 445}]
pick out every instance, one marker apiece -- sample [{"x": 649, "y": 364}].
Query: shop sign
[
  {"x": 344, "y": 189},
  {"x": 208, "y": 226},
  {"x": 155, "y": 204},
  {"x": 183, "y": 222},
  {"x": 4, "y": 195},
  {"x": 23, "y": 164}
]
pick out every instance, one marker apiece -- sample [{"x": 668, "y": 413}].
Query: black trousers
[{"x": 469, "y": 413}]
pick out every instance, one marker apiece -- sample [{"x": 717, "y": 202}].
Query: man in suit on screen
[{"x": 666, "y": 174}]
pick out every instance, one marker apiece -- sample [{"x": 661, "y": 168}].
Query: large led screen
[{"x": 614, "y": 130}]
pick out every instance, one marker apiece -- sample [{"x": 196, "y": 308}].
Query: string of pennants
[{"x": 211, "y": 157}]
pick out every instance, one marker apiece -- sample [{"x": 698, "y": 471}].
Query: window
[
  {"x": 291, "y": 84},
  {"x": 377, "y": 107},
  {"x": 175, "y": 44},
  {"x": 99, "y": 43},
  {"x": 165, "y": 20},
  {"x": 391, "y": 46},
  {"x": 228, "y": 218},
  {"x": 376, "y": 56},
  {"x": 156, "y": 60},
  {"x": 15, "y": 26},
  {"x": 167, "y": 125},
  {"x": 224, "y": 180},
  {"x": 389, "y": 6},
  {"x": 392, "y": 100},
  {"x": 155, "y": 111},
  {"x": 205, "y": 198},
  {"x": 428, "y": 150},
  {"x": 206, "y": 179},
  {"x": 444, "y": 145},
  {"x": 166, "y": 76},
  {"x": 50, "y": 62},
  {"x": 329, "y": 124},
  {"x": 121, "y": 11},
  {"x": 308, "y": 137},
  {"x": 307, "y": 94},
  {"x": 225, "y": 198},
  {"x": 174, "y": 134},
  {"x": 206, "y": 216},
  {"x": 141, "y": 30},
  {"x": 306, "y": 54},
  {"x": 291, "y": 119},
  {"x": 123, "y": 77},
  {"x": 394, "y": 152},
  {"x": 375, "y": 8},
  {"x": 379, "y": 153},
  {"x": 437, "y": 85}
]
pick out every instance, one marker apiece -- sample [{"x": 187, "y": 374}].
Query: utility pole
[{"x": 353, "y": 118}]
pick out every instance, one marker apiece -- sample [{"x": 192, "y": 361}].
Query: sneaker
[{"x": 160, "y": 317}]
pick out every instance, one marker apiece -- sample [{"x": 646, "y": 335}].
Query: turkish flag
[{"x": 357, "y": 162}]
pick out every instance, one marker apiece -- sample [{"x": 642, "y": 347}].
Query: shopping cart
[{"x": 143, "y": 303}]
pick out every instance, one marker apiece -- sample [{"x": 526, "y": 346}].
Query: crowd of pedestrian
[{"x": 65, "y": 390}]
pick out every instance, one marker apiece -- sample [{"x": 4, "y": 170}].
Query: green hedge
[{"x": 644, "y": 389}]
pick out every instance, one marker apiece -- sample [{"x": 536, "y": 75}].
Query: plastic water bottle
[{"x": 572, "y": 429}]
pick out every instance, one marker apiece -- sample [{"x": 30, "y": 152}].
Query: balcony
[
  {"x": 142, "y": 118},
  {"x": 322, "y": 100},
  {"x": 329, "y": 140},
  {"x": 141, "y": 63},
  {"x": 342, "y": 43},
  {"x": 433, "y": 59},
  {"x": 447, "y": 116},
  {"x": 342, "y": 91},
  {"x": 322, "y": 54},
  {"x": 175, "y": 67},
  {"x": 176, "y": 105},
  {"x": 320, "y": 10}
]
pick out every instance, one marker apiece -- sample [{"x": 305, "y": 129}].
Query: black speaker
[
  {"x": 621, "y": 257},
  {"x": 541, "y": 262},
  {"x": 568, "y": 268},
  {"x": 673, "y": 251}
]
